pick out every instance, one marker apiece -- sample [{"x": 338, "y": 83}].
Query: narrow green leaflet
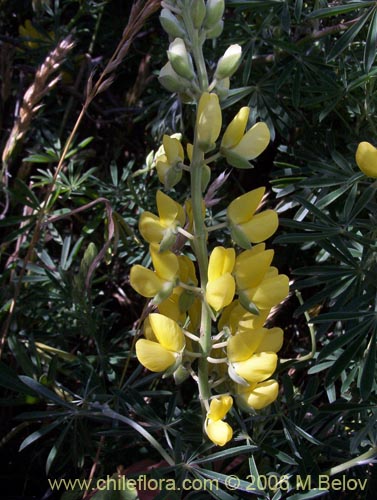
[{"x": 371, "y": 43}]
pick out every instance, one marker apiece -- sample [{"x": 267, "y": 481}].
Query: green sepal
[
  {"x": 168, "y": 240},
  {"x": 238, "y": 236},
  {"x": 181, "y": 374},
  {"x": 170, "y": 371},
  {"x": 186, "y": 300},
  {"x": 235, "y": 160},
  {"x": 247, "y": 304},
  {"x": 164, "y": 293}
]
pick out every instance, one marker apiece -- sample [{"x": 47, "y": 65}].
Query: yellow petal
[
  {"x": 261, "y": 226},
  {"x": 162, "y": 168},
  {"x": 219, "y": 432},
  {"x": 170, "y": 211},
  {"x": 150, "y": 227},
  {"x": 165, "y": 263},
  {"x": 244, "y": 344},
  {"x": 208, "y": 123},
  {"x": 243, "y": 208},
  {"x": 220, "y": 293},
  {"x": 261, "y": 395},
  {"x": 221, "y": 261},
  {"x": 154, "y": 356},
  {"x": 168, "y": 332},
  {"x": 270, "y": 292},
  {"x": 236, "y": 128},
  {"x": 145, "y": 281},
  {"x": 219, "y": 407},
  {"x": 254, "y": 142},
  {"x": 252, "y": 321},
  {"x": 170, "y": 306},
  {"x": 189, "y": 149},
  {"x": 366, "y": 159},
  {"x": 272, "y": 341},
  {"x": 258, "y": 367},
  {"x": 173, "y": 149},
  {"x": 251, "y": 267},
  {"x": 187, "y": 270},
  {"x": 148, "y": 332}
]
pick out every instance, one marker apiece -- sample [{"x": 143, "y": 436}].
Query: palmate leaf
[
  {"x": 359, "y": 330},
  {"x": 344, "y": 360},
  {"x": 338, "y": 9},
  {"x": 347, "y": 38}
]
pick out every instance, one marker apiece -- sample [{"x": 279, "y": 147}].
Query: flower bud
[
  {"x": 215, "y": 11},
  {"x": 170, "y": 80},
  {"x": 215, "y": 31},
  {"x": 228, "y": 63},
  {"x": 198, "y": 13},
  {"x": 171, "y": 24},
  {"x": 180, "y": 59},
  {"x": 208, "y": 121},
  {"x": 366, "y": 159},
  {"x": 181, "y": 374}
]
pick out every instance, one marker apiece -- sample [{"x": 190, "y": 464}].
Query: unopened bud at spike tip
[
  {"x": 180, "y": 59},
  {"x": 171, "y": 24}
]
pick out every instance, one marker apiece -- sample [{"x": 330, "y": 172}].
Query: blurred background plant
[{"x": 75, "y": 402}]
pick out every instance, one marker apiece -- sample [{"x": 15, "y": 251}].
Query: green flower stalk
[{"x": 211, "y": 309}]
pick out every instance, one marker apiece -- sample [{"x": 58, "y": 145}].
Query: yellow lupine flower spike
[
  {"x": 208, "y": 122},
  {"x": 219, "y": 432},
  {"x": 221, "y": 285},
  {"x": 366, "y": 159},
  {"x": 165, "y": 352},
  {"x": 171, "y": 214},
  {"x": 244, "y": 223}
]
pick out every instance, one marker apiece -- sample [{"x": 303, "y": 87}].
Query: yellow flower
[
  {"x": 34, "y": 37},
  {"x": 245, "y": 225},
  {"x": 168, "y": 160},
  {"x": 366, "y": 159},
  {"x": 252, "y": 353},
  {"x": 257, "y": 396},
  {"x": 163, "y": 348},
  {"x": 160, "y": 283},
  {"x": 221, "y": 286},
  {"x": 259, "y": 283},
  {"x": 163, "y": 228},
  {"x": 219, "y": 432},
  {"x": 239, "y": 147},
  {"x": 208, "y": 121},
  {"x": 181, "y": 300}
]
